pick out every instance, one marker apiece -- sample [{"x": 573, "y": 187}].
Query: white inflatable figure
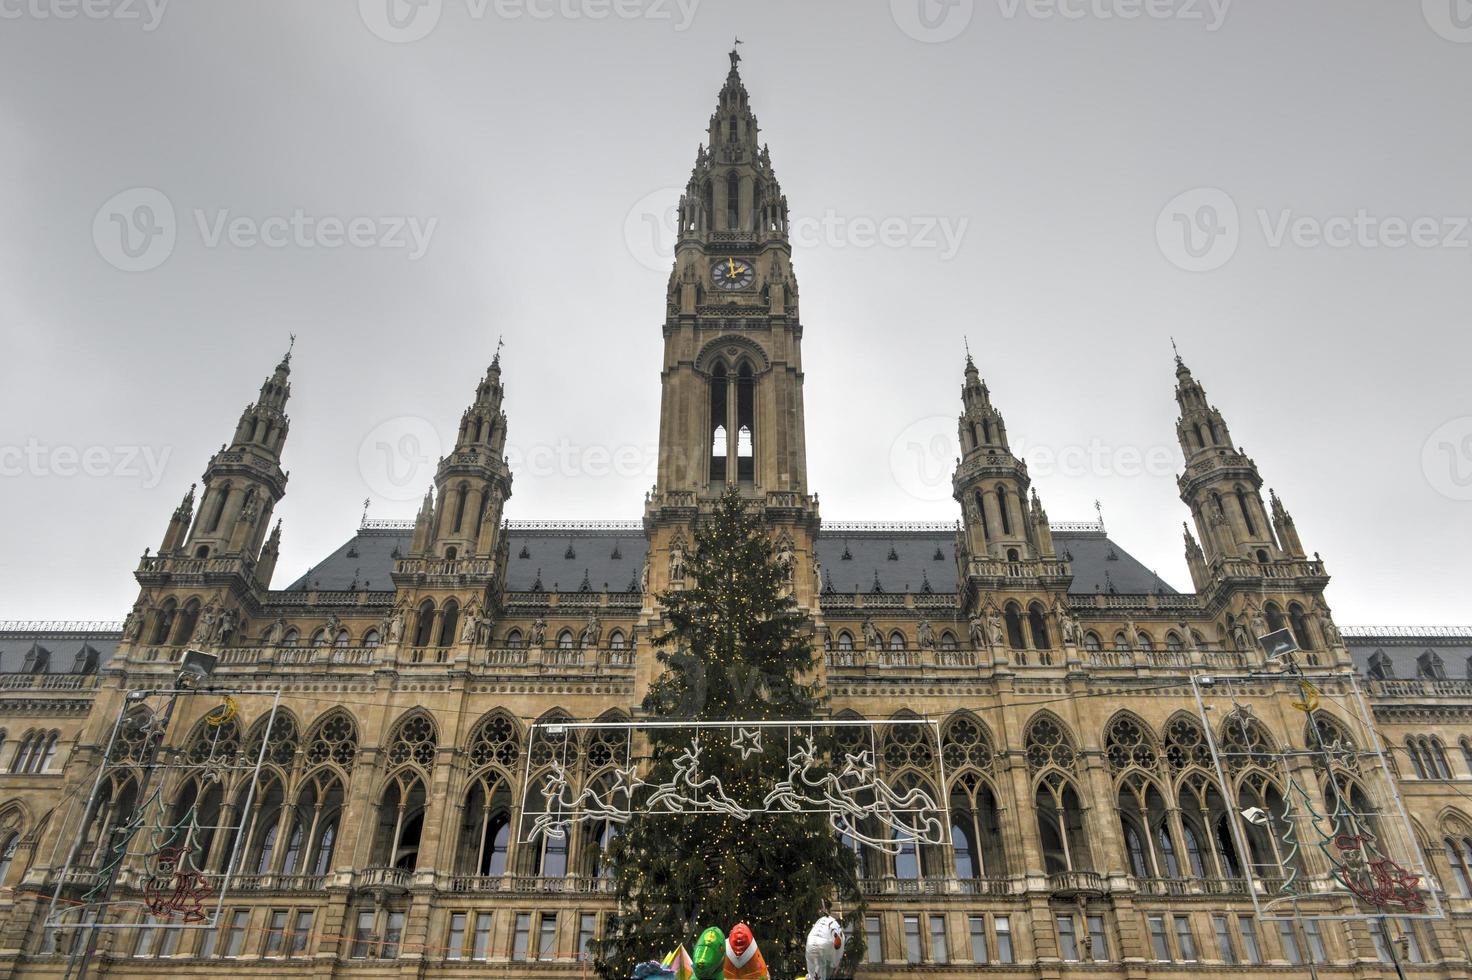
[{"x": 825, "y": 947}]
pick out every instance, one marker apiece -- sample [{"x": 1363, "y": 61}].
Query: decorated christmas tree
[{"x": 736, "y": 649}]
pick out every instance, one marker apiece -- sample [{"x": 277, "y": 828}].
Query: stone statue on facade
[
  {"x": 927, "y": 634},
  {"x": 394, "y": 627},
  {"x": 677, "y": 562},
  {"x": 872, "y": 639},
  {"x": 978, "y": 632},
  {"x": 995, "y": 632},
  {"x": 538, "y": 632},
  {"x": 133, "y": 625},
  {"x": 592, "y": 633}
]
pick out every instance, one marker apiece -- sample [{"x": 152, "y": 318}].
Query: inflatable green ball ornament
[{"x": 710, "y": 954}]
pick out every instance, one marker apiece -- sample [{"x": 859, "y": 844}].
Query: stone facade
[{"x": 412, "y": 661}]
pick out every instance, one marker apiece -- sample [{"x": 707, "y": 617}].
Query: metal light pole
[{"x": 196, "y": 666}]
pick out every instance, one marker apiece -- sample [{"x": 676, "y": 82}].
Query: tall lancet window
[
  {"x": 733, "y": 202},
  {"x": 745, "y": 424},
  {"x": 718, "y": 425}
]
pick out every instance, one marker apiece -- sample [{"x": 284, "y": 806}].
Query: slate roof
[
  {"x": 58, "y": 646},
  {"x": 1404, "y": 645},
  {"x": 568, "y": 555}
]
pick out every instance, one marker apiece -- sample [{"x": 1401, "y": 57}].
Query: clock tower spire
[{"x": 731, "y": 413}]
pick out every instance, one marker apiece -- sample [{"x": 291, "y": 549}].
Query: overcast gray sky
[{"x": 1282, "y": 187}]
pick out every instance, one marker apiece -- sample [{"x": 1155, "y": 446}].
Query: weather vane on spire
[
  {"x": 966, "y": 342},
  {"x": 1175, "y": 350},
  {"x": 735, "y": 55},
  {"x": 500, "y": 342}
]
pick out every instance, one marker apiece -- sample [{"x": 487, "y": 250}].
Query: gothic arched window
[
  {"x": 845, "y": 640},
  {"x": 616, "y": 640},
  {"x": 896, "y": 640},
  {"x": 733, "y": 194},
  {"x": 745, "y": 423},
  {"x": 1299, "y": 623},
  {"x": 1246, "y": 512},
  {"x": 485, "y": 832},
  {"x": 1013, "y": 617},
  {"x": 188, "y": 617},
  {"x": 424, "y": 625},
  {"x": 449, "y": 620},
  {"x": 1006, "y": 518},
  {"x": 565, "y": 640},
  {"x": 1038, "y": 625},
  {"x": 719, "y": 444}
]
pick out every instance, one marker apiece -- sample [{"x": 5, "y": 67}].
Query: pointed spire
[{"x": 185, "y": 510}]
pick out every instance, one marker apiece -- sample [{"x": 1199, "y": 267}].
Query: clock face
[{"x": 732, "y": 274}]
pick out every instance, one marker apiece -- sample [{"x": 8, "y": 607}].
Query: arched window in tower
[
  {"x": 188, "y": 618},
  {"x": 1038, "y": 625},
  {"x": 1013, "y": 617},
  {"x": 733, "y": 195},
  {"x": 731, "y": 130},
  {"x": 163, "y": 621},
  {"x": 718, "y": 446},
  {"x": 448, "y": 622},
  {"x": 1200, "y": 436},
  {"x": 986, "y": 532},
  {"x": 424, "y": 625},
  {"x": 1274, "y": 617},
  {"x": 1246, "y": 512},
  {"x": 1299, "y": 622},
  {"x": 1211, "y": 427},
  {"x": 218, "y": 510},
  {"x": 460, "y": 498},
  {"x": 745, "y": 424},
  {"x": 1002, "y": 510},
  {"x": 986, "y": 430}
]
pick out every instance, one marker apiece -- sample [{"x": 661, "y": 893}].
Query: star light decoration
[{"x": 748, "y": 741}]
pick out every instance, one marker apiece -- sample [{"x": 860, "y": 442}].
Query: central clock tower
[{"x": 731, "y": 412}]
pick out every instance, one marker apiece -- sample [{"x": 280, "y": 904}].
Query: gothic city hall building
[{"x": 1132, "y": 783}]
